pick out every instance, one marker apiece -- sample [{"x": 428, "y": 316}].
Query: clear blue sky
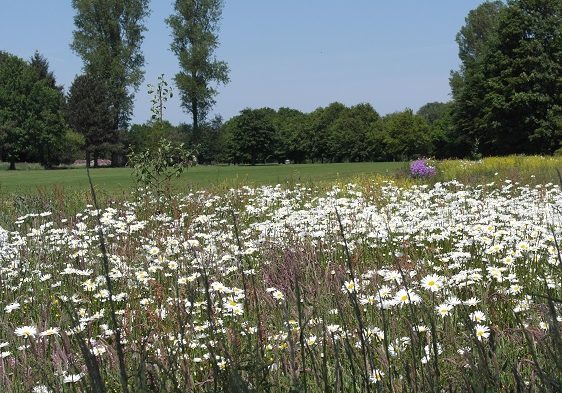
[{"x": 295, "y": 53}]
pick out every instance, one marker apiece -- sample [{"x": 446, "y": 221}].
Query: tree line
[
  {"x": 335, "y": 133},
  {"x": 39, "y": 122},
  {"x": 506, "y": 96}
]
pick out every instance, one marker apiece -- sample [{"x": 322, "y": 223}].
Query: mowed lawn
[{"x": 120, "y": 179}]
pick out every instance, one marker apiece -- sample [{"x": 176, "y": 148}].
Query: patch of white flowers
[{"x": 418, "y": 253}]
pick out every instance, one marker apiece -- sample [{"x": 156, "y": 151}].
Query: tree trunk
[
  {"x": 95, "y": 159},
  {"x": 195, "y": 113},
  {"x": 115, "y": 159},
  {"x": 88, "y": 157},
  {"x": 12, "y": 164}
]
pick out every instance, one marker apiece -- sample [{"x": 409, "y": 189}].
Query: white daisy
[{"x": 26, "y": 331}]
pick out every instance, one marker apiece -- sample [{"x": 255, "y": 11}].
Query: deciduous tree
[
  {"x": 31, "y": 117},
  {"x": 511, "y": 96},
  {"x": 254, "y": 135},
  {"x": 108, "y": 36},
  {"x": 522, "y": 89},
  {"x": 195, "y": 25},
  {"x": 473, "y": 40},
  {"x": 405, "y": 136}
]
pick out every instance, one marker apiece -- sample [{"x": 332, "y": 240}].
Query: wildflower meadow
[
  {"x": 357, "y": 288},
  {"x": 200, "y": 196}
]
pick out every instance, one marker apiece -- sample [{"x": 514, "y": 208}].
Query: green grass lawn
[{"x": 116, "y": 180}]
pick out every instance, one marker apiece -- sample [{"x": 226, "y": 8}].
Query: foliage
[
  {"x": 510, "y": 100},
  {"x": 155, "y": 167},
  {"x": 253, "y": 136},
  {"x": 41, "y": 66},
  {"x": 523, "y": 69},
  {"x": 316, "y": 130},
  {"x": 147, "y": 136},
  {"x": 439, "y": 116},
  {"x": 348, "y": 134},
  {"x": 405, "y": 136},
  {"x": 89, "y": 112},
  {"x": 195, "y": 25},
  {"x": 72, "y": 147},
  {"x": 480, "y": 27},
  {"x": 434, "y": 111},
  {"x": 207, "y": 140},
  {"x": 31, "y": 114},
  {"x": 108, "y": 37},
  {"x": 292, "y": 143},
  {"x": 335, "y": 133},
  {"x": 161, "y": 93}
]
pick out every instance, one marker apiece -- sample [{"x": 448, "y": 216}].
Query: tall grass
[
  {"x": 371, "y": 288},
  {"x": 522, "y": 169}
]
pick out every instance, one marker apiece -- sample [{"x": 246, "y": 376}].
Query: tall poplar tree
[
  {"x": 195, "y": 26},
  {"x": 108, "y": 38}
]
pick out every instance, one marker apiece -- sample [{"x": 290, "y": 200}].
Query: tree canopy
[
  {"x": 509, "y": 99},
  {"x": 89, "y": 112},
  {"x": 108, "y": 36},
  {"x": 506, "y": 95},
  {"x": 195, "y": 25},
  {"x": 32, "y": 124}
]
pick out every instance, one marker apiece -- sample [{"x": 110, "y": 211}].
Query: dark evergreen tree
[
  {"x": 41, "y": 66},
  {"x": 89, "y": 112}
]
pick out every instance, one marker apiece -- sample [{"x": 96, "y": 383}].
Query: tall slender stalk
[
  {"x": 356, "y": 308},
  {"x": 259, "y": 348},
  {"x": 301, "y": 331},
  {"x": 112, "y": 309}
]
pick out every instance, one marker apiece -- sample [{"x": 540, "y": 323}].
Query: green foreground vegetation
[
  {"x": 373, "y": 286},
  {"x": 66, "y": 191}
]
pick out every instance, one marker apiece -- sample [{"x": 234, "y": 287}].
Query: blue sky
[{"x": 295, "y": 53}]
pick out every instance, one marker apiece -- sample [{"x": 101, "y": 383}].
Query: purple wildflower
[{"x": 420, "y": 168}]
